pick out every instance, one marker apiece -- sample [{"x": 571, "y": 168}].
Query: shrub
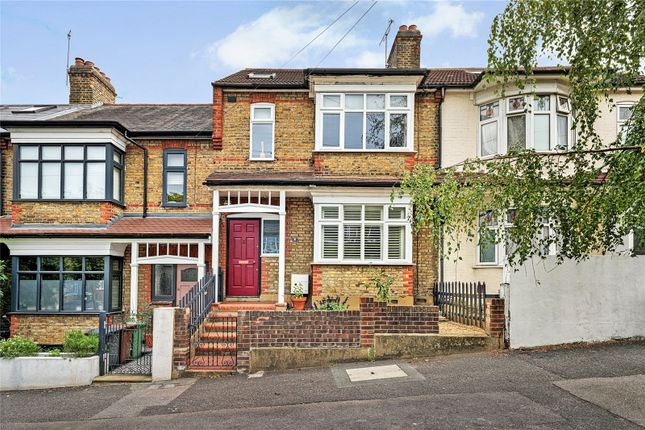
[
  {"x": 331, "y": 303},
  {"x": 81, "y": 345},
  {"x": 54, "y": 352},
  {"x": 18, "y": 347}
]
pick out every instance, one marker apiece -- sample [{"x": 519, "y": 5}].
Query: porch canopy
[{"x": 153, "y": 240}]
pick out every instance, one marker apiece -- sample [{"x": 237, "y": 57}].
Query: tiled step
[
  {"x": 243, "y": 306},
  {"x": 213, "y": 335},
  {"x": 221, "y": 315},
  {"x": 218, "y": 347},
  {"x": 219, "y": 325}
]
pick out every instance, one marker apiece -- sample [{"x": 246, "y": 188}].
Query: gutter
[{"x": 145, "y": 173}]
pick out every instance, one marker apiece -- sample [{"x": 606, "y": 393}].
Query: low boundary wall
[{"x": 327, "y": 333}]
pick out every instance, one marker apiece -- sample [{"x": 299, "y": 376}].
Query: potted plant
[{"x": 298, "y": 299}]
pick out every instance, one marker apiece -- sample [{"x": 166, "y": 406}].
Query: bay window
[
  {"x": 364, "y": 121},
  {"x": 541, "y": 122},
  {"x": 67, "y": 283},
  {"x": 68, "y": 172},
  {"x": 362, "y": 233}
]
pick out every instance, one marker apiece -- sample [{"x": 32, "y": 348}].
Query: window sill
[
  {"x": 53, "y": 313},
  {"x": 370, "y": 151},
  {"x": 270, "y": 255},
  {"x": 363, "y": 263},
  {"x": 488, "y": 266},
  {"x": 167, "y": 206},
  {"x": 162, "y": 302},
  {"x": 261, "y": 159},
  {"x": 122, "y": 205}
]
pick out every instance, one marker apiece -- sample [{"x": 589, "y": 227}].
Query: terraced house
[{"x": 285, "y": 180}]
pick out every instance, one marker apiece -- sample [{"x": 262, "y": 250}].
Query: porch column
[
  {"x": 282, "y": 244},
  {"x": 201, "y": 260},
  {"x": 134, "y": 277},
  {"x": 215, "y": 244}
]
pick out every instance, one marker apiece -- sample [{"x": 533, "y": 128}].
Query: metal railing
[
  {"x": 199, "y": 300},
  {"x": 462, "y": 302}
]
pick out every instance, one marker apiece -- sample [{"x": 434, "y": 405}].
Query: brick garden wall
[{"x": 329, "y": 329}]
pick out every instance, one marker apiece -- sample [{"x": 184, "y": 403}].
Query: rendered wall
[{"x": 599, "y": 299}]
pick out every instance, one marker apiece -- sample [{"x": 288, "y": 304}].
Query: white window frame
[
  {"x": 387, "y": 110},
  {"x": 484, "y": 122},
  {"x": 529, "y": 115},
  {"x": 262, "y": 252},
  {"x": 385, "y": 224},
  {"x": 620, "y": 123},
  {"x": 500, "y": 248},
  {"x": 271, "y": 121}
]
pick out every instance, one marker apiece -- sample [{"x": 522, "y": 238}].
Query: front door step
[{"x": 243, "y": 306}]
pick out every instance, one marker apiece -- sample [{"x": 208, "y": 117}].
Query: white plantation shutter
[
  {"x": 352, "y": 242},
  {"x": 352, "y": 213},
  {"x": 373, "y": 213},
  {"x": 373, "y": 242},
  {"x": 396, "y": 242},
  {"x": 396, "y": 212},
  {"x": 330, "y": 241},
  {"x": 330, "y": 212}
]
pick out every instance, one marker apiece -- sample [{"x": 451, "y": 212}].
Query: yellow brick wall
[
  {"x": 199, "y": 155},
  {"x": 64, "y": 212},
  {"x": 7, "y": 177},
  {"x": 51, "y": 329},
  {"x": 354, "y": 281}
]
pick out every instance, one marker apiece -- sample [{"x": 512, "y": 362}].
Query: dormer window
[
  {"x": 68, "y": 172},
  {"x": 541, "y": 122},
  {"x": 364, "y": 122},
  {"x": 262, "y": 131}
]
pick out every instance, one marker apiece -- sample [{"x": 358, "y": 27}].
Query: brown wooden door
[{"x": 244, "y": 257}]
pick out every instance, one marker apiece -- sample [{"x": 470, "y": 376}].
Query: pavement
[{"x": 598, "y": 387}]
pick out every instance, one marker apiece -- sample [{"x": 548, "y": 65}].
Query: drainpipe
[
  {"x": 439, "y": 161},
  {"x": 145, "y": 173}
]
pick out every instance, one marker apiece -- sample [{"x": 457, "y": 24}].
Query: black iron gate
[{"x": 125, "y": 346}]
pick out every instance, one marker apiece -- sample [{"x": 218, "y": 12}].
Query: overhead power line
[{"x": 346, "y": 33}]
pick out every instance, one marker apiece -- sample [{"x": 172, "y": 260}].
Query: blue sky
[{"x": 169, "y": 52}]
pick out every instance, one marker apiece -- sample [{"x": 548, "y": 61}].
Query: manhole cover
[{"x": 375, "y": 372}]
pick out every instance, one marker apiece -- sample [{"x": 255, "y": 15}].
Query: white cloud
[
  {"x": 450, "y": 17},
  {"x": 274, "y": 37},
  {"x": 367, "y": 59}
]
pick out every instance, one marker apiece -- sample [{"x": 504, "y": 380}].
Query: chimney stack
[
  {"x": 88, "y": 84},
  {"x": 406, "y": 49}
]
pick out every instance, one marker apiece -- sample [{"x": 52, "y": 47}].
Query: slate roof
[
  {"x": 123, "y": 227},
  {"x": 298, "y": 179},
  {"x": 150, "y": 118}
]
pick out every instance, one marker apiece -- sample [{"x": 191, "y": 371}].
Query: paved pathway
[{"x": 586, "y": 388}]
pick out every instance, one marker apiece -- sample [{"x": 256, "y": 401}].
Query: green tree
[{"x": 592, "y": 194}]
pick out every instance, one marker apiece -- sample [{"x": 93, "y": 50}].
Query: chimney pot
[
  {"x": 403, "y": 27},
  {"x": 412, "y": 27},
  {"x": 79, "y": 61},
  {"x": 89, "y": 64}
]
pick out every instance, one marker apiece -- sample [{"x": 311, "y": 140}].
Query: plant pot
[{"x": 298, "y": 303}]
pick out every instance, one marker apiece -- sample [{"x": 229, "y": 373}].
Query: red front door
[{"x": 243, "y": 257}]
